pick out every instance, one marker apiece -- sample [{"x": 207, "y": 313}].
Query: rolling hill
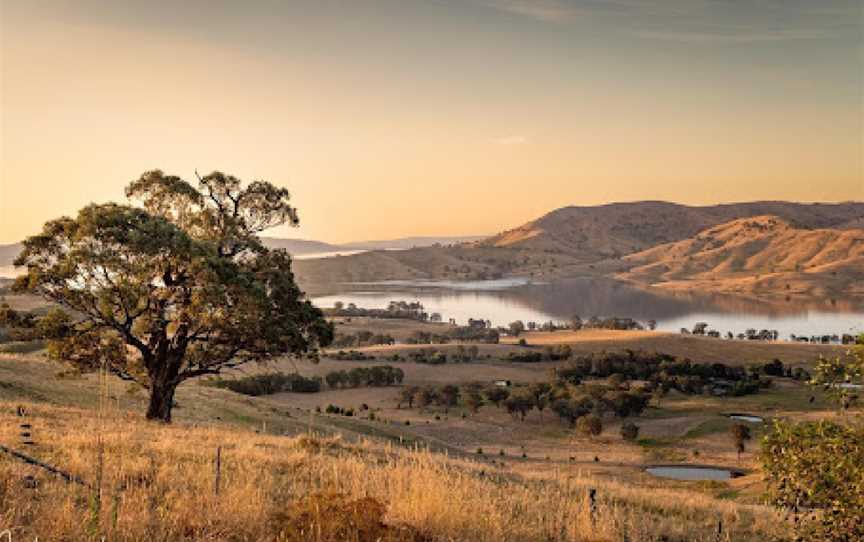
[
  {"x": 759, "y": 254},
  {"x": 579, "y": 241},
  {"x": 613, "y": 230}
]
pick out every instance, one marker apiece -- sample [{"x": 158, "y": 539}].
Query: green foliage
[
  {"x": 268, "y": 384},
  {"x": 820, "y": 465},
  {"x": 835, "y": 375},
  {"x": 629, "y": 431},
  {"x": 377, "y": 375},
  {"x": 350, "y": 355},
  {"x": 520, "y": 402},
  {"x": 362, "y": 338},
  {"x": 496, "y": 394},
  {"x": 740, "y": 435},
  {"x": 662, "y": 370},
  {"x": 590, "y": 425},
  {"x": 473, "y": 398},
  {"x": 183, "y": 281}
]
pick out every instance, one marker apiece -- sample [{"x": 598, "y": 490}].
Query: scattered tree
[
  {"x": 590, "y": 425},
  {"x": 629, "y": 431},
  {"x": 496, "y": 394},
  {"x": 740, "y": 435}
]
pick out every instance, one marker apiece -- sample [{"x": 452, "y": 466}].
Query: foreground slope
[{"x": 148, "y": 481}]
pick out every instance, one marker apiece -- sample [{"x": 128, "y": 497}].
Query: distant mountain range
[
  {"x": 302, "y": 247},
  {"x": 758, "y": 248},
  {"x": 649, "y": 242}
]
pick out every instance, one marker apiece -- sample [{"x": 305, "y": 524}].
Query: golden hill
[
  {"x": 609, "y": 231},
  {"x": 579, "y": 241},
  {"x": 763, "y": 254}
]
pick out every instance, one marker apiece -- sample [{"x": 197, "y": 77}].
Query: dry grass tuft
[{"x": 335, "y": 517}]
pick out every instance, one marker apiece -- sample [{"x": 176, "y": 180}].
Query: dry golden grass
[{"x": 155, "y": 482}]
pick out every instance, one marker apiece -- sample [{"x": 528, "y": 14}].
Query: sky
[{"x": 389, "y": 118}]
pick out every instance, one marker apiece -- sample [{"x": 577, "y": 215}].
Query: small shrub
[
  {"x": 629, "y": 431},
  {"x": 334, "y": 517}
]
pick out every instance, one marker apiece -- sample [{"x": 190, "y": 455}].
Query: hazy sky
[{"x": 406, "y": 117}]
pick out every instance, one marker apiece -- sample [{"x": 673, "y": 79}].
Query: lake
[{"x": 506, "y": 300}]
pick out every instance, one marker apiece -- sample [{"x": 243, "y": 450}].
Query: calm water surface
[
  {"x": 690, "y": 473},
  {"x": 506, "y": 300}
]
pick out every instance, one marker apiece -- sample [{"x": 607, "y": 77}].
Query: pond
[
  {"x": 507, "y": 300},
  {"x": 749, "y": 418},
  {"x": 692, "y": 473}
]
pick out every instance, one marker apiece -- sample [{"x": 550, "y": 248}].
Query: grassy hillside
[
  {"x": 764, "y": 253},
  {"x": 289, "y": 476},
  {"x": 149, "y": 482},
  {"x": 622, "y": 228}
]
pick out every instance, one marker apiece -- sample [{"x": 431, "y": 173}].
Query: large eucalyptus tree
[{"x": 178, "y": 287}]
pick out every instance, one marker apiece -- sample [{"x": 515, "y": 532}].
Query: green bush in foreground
[{"x": 816, "y": 469}]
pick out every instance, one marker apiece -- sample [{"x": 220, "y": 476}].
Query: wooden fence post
[
  {"x": 218, "y": 470},
  {"x": 592, "y": 499}
]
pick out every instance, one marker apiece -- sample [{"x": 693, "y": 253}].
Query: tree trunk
[{"x": 161, "y": 401}]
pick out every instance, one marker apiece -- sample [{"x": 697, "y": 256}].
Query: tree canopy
[
  {"x": 178, "y": 287},
  {"x": 815, "y": 469}
]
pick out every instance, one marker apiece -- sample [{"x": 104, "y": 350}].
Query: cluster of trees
[
  {"x": 568, "y": 402},
  {"x": 776, "y": 368},
  {"x": 426, "y": 337},
  {"x": 550, "y": 353},
  {"x": 701, "y": 329},
  {"x": 350, "y": 355},
  {"x": 269, "y": 383},
  {"x": 32, "y": 326},
  {"x": 341, "y": 411},
  {"x": 361, "y": 338},
  {"x": 571, "y": 404},
  {"x": 576, "y": 323},
  {"x": 395, "y": 309},
  {"x": 446, "y": 396},
  {"x": 827, "y": 339},
  {"x": 463, "y": 354},
  {"x": 610, "y": 322},
  {"x": 377, "y": 375},
  {"x": 486, "y": 335},
  {"x": 664, "y": 372}
]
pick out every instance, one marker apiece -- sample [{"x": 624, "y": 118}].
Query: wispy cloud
[
  {"x": 563, "y": 11},
  {"x": 511, "y": 140},
  {"x": 693, "y": 21},
  {"x": 550, "y": 11},
  {"x": 734, "y": 37}
]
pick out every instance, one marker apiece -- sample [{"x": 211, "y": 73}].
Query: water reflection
[{"x": 503, "y": 303}]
